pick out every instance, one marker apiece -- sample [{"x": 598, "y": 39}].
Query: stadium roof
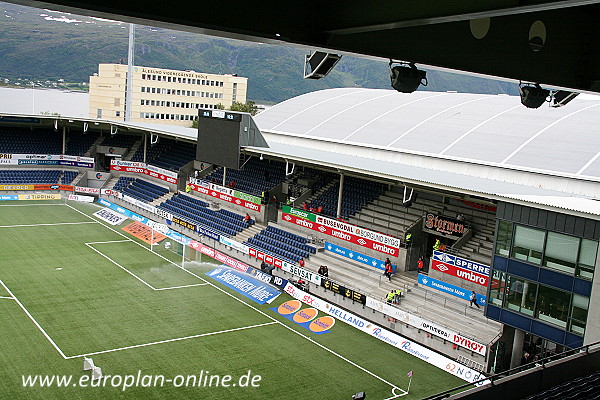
[{"x": 479, "y": 144}]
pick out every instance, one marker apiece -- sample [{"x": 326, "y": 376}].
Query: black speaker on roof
[
  {"x": 533, "y": 96},
  {"x": 406, "y": 78},
  {"x": 318, "y": 64}
]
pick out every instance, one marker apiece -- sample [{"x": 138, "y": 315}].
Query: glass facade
[{"x": 536, "y": 296}]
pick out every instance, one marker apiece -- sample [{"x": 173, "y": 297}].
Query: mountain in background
[{"x": 48, "y": 45}]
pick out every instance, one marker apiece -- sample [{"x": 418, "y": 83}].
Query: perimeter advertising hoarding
[
  {"x": 450, "y": 289},
  {"x": 226, "y": 194},
  {"x": 46, "y": 159},
  {"x": 415, "y": 349},
  {"x": 344, "y": 291},
  {"x": 427, "y": 326},
  {"x": 363, "y": 237},
  {"x": 145, "y": 169}
]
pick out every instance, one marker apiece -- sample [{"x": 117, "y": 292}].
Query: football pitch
[{"x": 73, "y": 286}]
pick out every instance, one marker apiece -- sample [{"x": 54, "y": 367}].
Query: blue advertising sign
[
  {"x": 9, "y": 197},
  {"x": 450, "y": 289},
  {"x": 252, "y": 288},
  {"x": 461, "y": 262},
  {"x": 130, "y": 214},
  {"x": 353, "y": 255}
]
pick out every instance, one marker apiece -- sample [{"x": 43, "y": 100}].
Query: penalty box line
[
  {"x": 131, "y": 273},
  {"x": 257, "y": 310},
  {"x": 171, "y": 340},
  {"x": 34, "y": 321},
  {"x": 53, "y": 224}
]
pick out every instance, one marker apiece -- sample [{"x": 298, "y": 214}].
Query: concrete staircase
[{"x": 133, "y": 150}]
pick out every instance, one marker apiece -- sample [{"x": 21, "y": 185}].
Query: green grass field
[{"x": 75, "y": 286}]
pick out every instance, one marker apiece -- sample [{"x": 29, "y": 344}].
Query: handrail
[{"x": 493, "y": 378}]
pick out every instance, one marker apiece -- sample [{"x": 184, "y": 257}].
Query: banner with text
[
  {"x": 443, "y": 226},
  {"x": 247, "y": 286},
  {"x": 389, "y": 337},
  {"x": 425, "y": 325},
  {"x": 341, "y": 230},
  {"x": 450, "y": 289},
  {"x": 226, "y": 194},
  {"x": 353, "y": 255},
  {"x": 46, "y": 159},
  {"x": 461, "y": 268},
  {"x": 145, "y": 169}
]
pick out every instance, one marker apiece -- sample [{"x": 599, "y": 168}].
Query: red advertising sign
[
  {"x": 141, "y": 168},
  {"x": 349, "y": 237},
  {"x": 265, "y": 257},
  {"x": 53, "y": 187},
  {"x": 225, "y": 197},
  {"x": 461, "y": 273}
]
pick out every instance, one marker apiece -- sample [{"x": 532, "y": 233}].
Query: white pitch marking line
[
  {"x": 109, "y": 241},
  {"x": 172, "y": 340},
  {"x": 254, "y": 308},
  {"x": 55, "y": 224},
  {"x": 120, "y": 266},
  {"x": 183, "y": 286},
  {"x": 30, "y": 205},
  {"x": 34, "y": 321},
  {"x": 5, "y": 297}
]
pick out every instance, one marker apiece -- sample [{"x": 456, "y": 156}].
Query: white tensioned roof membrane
[{"x": 488, "y": 144}]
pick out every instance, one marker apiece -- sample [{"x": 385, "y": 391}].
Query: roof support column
[
  {"x": 64, "y": 140},
  {"x": 145, "y": 146},
  {"x": 339, "y": 204},
  {"x": 224, "y": 175}
]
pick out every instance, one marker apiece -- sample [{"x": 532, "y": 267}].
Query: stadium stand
[
  {"x": 119, "y": 141},
  {"x": 196, "y": 211},
  {"x": 256, "y": 176},
  {"x": 167, "y": 154},
  {"x": 25, "y": 141},
  {"x": 355, "y": 194},
  {"x": 36, "y": 176},
  {"x": 282, "y": 244},
  {"x": 78, "y": 144},
  {"x": 141, "y": 189},
  {"x": 583, "y": 388}
]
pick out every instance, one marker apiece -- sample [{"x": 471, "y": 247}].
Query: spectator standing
[
  {"x": 408, "y": 239},
  {"x": 420, "y": 264},
  {"x": 188, "y": 188},
  {"x": 388, "y": 269},
  {"x": 437, "y": 245},
  {"x": 301, "y": 262},
  {"x": 473, "y": 299}
]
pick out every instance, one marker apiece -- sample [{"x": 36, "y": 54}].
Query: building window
[
  {"x": 221, "y": 84},
  {"x": 553, "y": 306},
  {"x": 561, "y": 252},
  {"x": 579, "y": 312},
  {"x": 497, "y": 288},
  {"x": 143, "y": 76},
  {"x": 234, "y": 95},
  {"x": 117, "y": 113},
  {"x": 587, "y": 259},
  {"x": 521, "y": 295},
  {"x": 528, "y": 244},
  {"x": 99, "y": 113},
  {"x": 143, "y": 89}
]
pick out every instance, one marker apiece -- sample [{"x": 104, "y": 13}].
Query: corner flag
[{"x": 409, "y": 374}]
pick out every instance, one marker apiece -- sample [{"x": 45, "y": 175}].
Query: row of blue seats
[
  {"x": 223, "y": 213},
  {"x": 131, "y": 191},
  {"x": 289, "y": 241},
  {"x": 196, "y": 219},
  {"x": 142, "y": 191},
  {"x": 155, "y": 190},
  {"x": 122, "y": 182},
  {"x": 277, "y": 252},
  {"x": 192, "y": 200},
  {"x": 287, "y": 234},
  {"x": 235, "y": 225},
  {"x": 280, "y": 245}
]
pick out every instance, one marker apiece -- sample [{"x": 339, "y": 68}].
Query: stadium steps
[
  {"x": 248, "y": 232},
  {"x": 319, "y": 192},
  {"x": 136, "y": 145},
  {"x": 93, "y": 147},
  {"x": 162, "y": 198}
]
